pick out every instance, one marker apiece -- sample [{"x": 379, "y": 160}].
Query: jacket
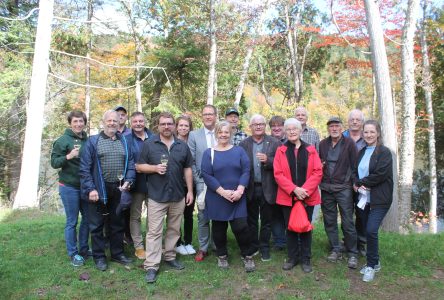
[
  {"x": 91, "y": 177},
  {"x": 342, "y": 174},
  {"x": 380, "y": 178},
  {"x": 140, "y": 183},
  {"x": 282, "y": 174},
  {"x": 269, "y": 187},
  {"x": 69, "y": 169}
]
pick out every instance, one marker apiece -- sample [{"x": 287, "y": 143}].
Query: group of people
[{"x": 250, "y": 182}]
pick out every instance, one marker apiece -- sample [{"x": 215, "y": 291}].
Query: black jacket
[{"x": 380, "y": 178}]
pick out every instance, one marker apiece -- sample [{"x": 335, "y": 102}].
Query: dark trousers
[
  {"x": 330, "y": 204},
  {"x": 241, "y": 233},
  {"x": 360, "y": 230},
  {"x": 278, "y": 227},
  {"x": 371, "y": 221},
  {"x": 187, "y": 226},
  {"x": 298, "y": 244},
  {"x": 126, "y": 221},
  {"x": 259, "y": 207},
  {"x": 97, "y": 213}
]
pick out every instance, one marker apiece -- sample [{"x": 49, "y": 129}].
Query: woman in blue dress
[{"x": 226, "y": 171}]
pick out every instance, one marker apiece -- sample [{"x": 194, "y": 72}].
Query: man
[
  {"x": 232, "y": 116},
  {"x": 106, "y": 169},
  {"x": 278, "y": 229},
  {"x": 308, "y": 135},
  {"x": 167, "y": 162},
  {"x": 354, "y": 131},
  {"x": 123, "y": 117},
  {"x": 262, "y": 188},
  {"x": 139, "y": 133},
  {"x": 338, "y": 155},
  {"x": 200, "y": 140}
]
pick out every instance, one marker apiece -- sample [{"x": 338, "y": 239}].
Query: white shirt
[{"x": 209, "y": 135}]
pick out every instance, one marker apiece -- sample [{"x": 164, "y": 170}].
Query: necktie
[{"x": 211, "y": 133}]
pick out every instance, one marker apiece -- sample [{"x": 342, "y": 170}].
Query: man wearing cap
[
  {"x": 232, "y": 116},
  {"x": 338, "y": 155},
  {"x": 308, "y": 134},
  {"x": 123, "y": 117}
]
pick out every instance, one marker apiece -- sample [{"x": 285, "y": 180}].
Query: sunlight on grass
[{"x": 4, "y": 213}]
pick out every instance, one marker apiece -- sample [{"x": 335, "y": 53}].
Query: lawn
[{"x": 34, "y": 265}]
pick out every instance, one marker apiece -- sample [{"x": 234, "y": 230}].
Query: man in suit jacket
[
  {"x": 200, "y": 140},
  {"x": 262, "y": 188}
]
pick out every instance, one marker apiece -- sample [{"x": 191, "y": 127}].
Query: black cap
[
  {"x": 120, "y": 107},
  {"x": 230, "y": 111},
  {"x": 334, "y": 120}
]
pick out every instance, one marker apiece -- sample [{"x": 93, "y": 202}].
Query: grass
[{"x": 34, "y": 265}]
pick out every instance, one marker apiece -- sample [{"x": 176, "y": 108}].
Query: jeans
[
  {"x": 241, "y": 233},
  {"x": 371, "y": 221},
  {"x": 73, "y": 205},
  {"x": 278, "y": 227},
  {"x": 259, "y": 207}
]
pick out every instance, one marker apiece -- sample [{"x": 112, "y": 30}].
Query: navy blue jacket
[
  {"x": 137, "y": 145},
  {"x": 91, "y": 177}
]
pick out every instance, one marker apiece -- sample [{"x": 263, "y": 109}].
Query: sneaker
[
  {"x": 306, "y": 266},
  {"x": 249, "y": 264},
  {"x": 151, "y": 276},
  {"x": 181, "y": 250},
  {"x": 334, "y": 256},
  {"x": 222, "y": 262},
  {"x": 369, "y": 274},
  {"x": 77, "y": 260},
  {"x": 289, "y": 264},
  {"x": 140, "y": 253},
  {"x": 200, "y": 256},
  {"x": 377, "y": 268},
  {"x": 265, "y": 255},
  {"x": 190, "y": 249},
  {"x": 352, "y": 262}
]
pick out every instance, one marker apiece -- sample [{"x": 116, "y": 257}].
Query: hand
[
  {"x": 355, "y": 188},
  {"x": 161, "y": 169},
  {"x": 189, "y": 198},
  {"x": 300, "y": 193},
  {"x": 227, "y": 194},
  {"x": 236, "y": 195},
  {"x": 74, "y": 153},
  {"x": 93, "y": 196},
  {"x": 262, "y": 157},
  {"x": 125, "y": 186},
  {"x": 136, "y": 166}
]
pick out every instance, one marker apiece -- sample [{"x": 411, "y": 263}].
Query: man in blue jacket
[{"x": 106, "y": 169}]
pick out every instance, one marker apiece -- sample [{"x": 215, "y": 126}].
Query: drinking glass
[{"x": 164, "y": 159}]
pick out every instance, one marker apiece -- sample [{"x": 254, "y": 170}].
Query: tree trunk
[
  {"x": 29, "y": 176},
  {"x": 263, "y": 88},
  {"x": 291, "y": 49},
  {"x": 213, "y": 51},
  {"x": 407, "y": 148},
  {"x": 88, "y": 68},
  {"x": 138, "y": 86},
  {"x": 427, "y": 86},
  {"x": 385, "y": 102},
  {"x": 301, "y": 69}
]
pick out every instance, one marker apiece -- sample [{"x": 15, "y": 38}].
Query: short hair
[
  {"x": 221, "y": 125},
  {"x": 301, "y": 108},
  {"x": 186, "y": 118},
  {"x": 109, "y": 111},
  {"x": 210, "y": 106},
  {"x": 292, "y": 121},
  {"x": 358, "y": 111},
  {"x": 257, "y": 116},
  {"x": 166, "y": 115},
  {"x": 136, "y": 114},
  {"x": 76, "y": 114},
  {"x": 378, "y": 130},
  {"x": 278, "y": 120}
]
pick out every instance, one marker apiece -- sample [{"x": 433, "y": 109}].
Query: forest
[{"x": 264, "y": 57}]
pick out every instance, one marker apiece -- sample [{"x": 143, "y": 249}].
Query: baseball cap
[
  {"x": 230, "y": 111},
  {"x": 334, "y": 120},
  {"x": 120, "y": 107}
]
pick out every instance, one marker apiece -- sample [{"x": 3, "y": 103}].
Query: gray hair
[
  {"x": 221, "y": 125},
  {"x": 257, "y": 116},
  {"x": 109, "y": 111},
  {"x": 301, "y": 108},
  {"x": 292, "y": 121},
  {"x": 357, "y": 111}
]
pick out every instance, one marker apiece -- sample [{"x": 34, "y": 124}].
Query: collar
[
  {"x": 103, "y": 135},
  {"x": 207, "y": 131}
]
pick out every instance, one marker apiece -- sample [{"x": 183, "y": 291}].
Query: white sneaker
[
  {"x": 369, "y": 274},
  {"x": 181, "y": 250},
  {"x": 189, "y": 248},
  {"x": 377, "y": 268}
]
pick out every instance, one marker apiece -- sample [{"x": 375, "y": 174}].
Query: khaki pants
[
  {"x": 156, "y": 214},
  {"x": 135, "y": 221}
]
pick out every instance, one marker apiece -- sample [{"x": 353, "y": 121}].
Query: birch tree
[
  {"x": 88, "y": 65},
  {"x": 213, "y": 52}
]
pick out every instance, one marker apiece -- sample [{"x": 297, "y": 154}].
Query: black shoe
[
  {"x": 101, "y": 264},
  {"x": 86, "y": 254},
  {"x": 306, "y": 267},
  {"x": 265, "y": 255},
  {"x": 151, "y": 276},
  {"x": 122, "y": 259},
  {"x": 278, "y": 248},
  {"x": 289, "y": 264},
  {"x": 175, "y": 264},
  {"x": 128, "y": 240}
]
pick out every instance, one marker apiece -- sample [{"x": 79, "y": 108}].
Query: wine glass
[
  {"x": 164, "y": 159},
  {"x": 120, "y": 177}
]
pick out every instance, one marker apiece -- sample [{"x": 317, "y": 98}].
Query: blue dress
[{"x": 230, "y": 168}]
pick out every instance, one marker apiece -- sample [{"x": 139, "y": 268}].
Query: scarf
[{"x": 298, "y": 165}]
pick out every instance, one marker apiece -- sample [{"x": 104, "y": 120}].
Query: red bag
[{"x": 298, "y": 221}]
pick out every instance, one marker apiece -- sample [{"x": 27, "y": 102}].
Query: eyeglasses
[
  {"x": 258, "y": 125},
  {"x": 208, "y": 115},
  {"x": 292, "y": 130},
  {"x": 165, "y": 124}
]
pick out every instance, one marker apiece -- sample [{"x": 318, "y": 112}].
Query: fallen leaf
[
  {"x": 281, "y": 286},
  {"x": 84, "y": 276}
]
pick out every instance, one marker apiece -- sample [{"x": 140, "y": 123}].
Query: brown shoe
[
  {"x": 200, "y": 256},
  {"x": 140, "y": 254}
]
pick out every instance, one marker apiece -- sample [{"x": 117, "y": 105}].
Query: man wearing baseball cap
[
  {"x": 232, "y": 116},
  {"x": 123, "y": 117}
]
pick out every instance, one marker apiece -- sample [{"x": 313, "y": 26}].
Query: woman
[
  {"x": 298, "y": 172},
  {"x": 373, "y": 179},
  {"x": 226, "y": 171},
  {"x": 66, "y": 156},
  {"x": 184, "y": 247}
]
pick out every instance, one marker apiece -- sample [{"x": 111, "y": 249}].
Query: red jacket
[{"x": 282, "y": 174}]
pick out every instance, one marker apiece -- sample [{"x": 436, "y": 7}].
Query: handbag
[
  {"x": 298, "y": 221},
  {"x": 200, "y": 200}
]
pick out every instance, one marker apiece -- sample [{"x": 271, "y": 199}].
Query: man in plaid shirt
[
  {"x": 232, "y": 116},
  {"x": 308, "y": 135}
]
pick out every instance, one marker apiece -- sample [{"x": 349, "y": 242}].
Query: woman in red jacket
[{"x": 298, "y": 172}]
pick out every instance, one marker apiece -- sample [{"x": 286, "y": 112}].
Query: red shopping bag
[{"x": 298, "y": 221}]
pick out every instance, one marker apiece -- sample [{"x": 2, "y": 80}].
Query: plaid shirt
[
  {"x": 238, "y": 137},
  {"x": 311, "y": 136},
  {"x": 112, "y": 157}
]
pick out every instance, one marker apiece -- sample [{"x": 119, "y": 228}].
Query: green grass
[{"x": 34, "y": 265}]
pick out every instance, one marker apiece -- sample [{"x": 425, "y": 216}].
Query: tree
[{"x": 213, "y": 51}]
